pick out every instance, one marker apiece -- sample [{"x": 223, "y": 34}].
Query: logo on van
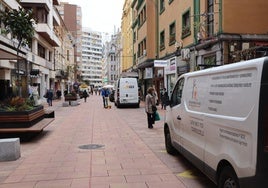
[{"x": 194, "y": 102}]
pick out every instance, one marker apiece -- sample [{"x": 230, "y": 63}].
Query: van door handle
[{"x": 178, "y": 117}]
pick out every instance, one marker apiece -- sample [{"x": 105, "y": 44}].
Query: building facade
[
  {"x": 145, "y": 44},
  {"x": 72, "y": 17},
  {"x": 192, "y": 35},
  {"x": 35, "y": 62},
  {"x": 127, "y": 37},
  {"x": 91, "y": 68},
  {"x": 112, "y": 62}
]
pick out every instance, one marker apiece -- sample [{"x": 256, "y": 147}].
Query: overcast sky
[{"x": 100, "y": 15}]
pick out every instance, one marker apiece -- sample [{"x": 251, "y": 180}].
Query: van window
[{"x": 177, "y": 93}]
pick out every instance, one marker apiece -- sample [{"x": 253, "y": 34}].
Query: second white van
[
  {"x": 126, "y": 92},
  {"x": 218, "y": 119}
]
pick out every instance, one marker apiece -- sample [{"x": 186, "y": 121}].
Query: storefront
[{"x": 170, "y": 75}]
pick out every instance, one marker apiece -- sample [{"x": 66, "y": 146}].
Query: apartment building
[
  {"x": 145, "y": 43},
  {"x": 91, "y": 67},
  {"x": 112, "y": 64},
  {"x": 35, "y": 64},
  {"x": 64, "y": 61},
  {"x": 72, "y": 17},
  {"x": 127, "y": 38},
  {"x": 192, "y": 35}
]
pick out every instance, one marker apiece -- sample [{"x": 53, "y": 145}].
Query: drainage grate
[{"x": 91, "y": 146}]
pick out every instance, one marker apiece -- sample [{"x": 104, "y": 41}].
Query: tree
[{"x": 20, "y": 24}]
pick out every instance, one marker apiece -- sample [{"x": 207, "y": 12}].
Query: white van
[
  {"x": 218, "y": 119},
  {"x": 127, "y": 92}
]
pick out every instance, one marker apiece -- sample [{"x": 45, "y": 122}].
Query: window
[
  {"x": 210, "y": 18},
  {"x": 162, "y": 6},
  {"x": 142, "y": 16},
  {"x": 186, "y": 27},
  {"x": 177, "y": 93},
  {"x": 134, "y": 36},
  {"x": 142, "y": 48},
  {"x": 209, "y": 61},
  {"x": 50, "y": 56},
  {"x": 172, "y": 33},
  {"x": 41, "y": 51},
  {"x": 162, "y": 40},
  {"x": 42, "y": 15}
]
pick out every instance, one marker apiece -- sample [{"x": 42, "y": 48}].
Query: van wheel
[
  {"x": 169, "y": 147},
  {"x": 228, "y": 178}
]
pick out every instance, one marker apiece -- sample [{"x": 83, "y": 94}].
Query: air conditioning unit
[{"x": 185, "y": 54}]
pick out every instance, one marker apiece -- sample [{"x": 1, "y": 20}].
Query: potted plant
[
  {"x": 18, "y": 112},
  {"x": 70, "y": 96}
]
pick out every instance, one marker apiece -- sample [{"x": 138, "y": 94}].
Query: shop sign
[
  {"x": 171, "y": 68},
  {"x": 160, "y": 63}
]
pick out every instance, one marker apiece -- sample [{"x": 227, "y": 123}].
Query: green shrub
[{"x": 17, "y": 104}]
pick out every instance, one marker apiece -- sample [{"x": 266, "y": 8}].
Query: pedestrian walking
[
  {"x": 85, "y": 95},
  {"x": 150, "y": 107},
  {"x": 49, "y": 97},
  {"x": 164, "y": 98},
  {"x": 105, "y": 94}
]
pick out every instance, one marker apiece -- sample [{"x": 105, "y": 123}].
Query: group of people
[{"x": 151, "y": 101}]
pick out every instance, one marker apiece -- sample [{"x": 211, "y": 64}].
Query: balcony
[
  {"x": 35, "y": 3},
  {"x": 8, "y": 51},
  {"x": 48, "y": 34}
]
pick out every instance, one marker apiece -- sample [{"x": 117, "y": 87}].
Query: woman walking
[{"x": 150, "y": 107}]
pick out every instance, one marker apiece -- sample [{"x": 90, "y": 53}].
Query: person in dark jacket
[
  {"x": 164, "y": 98},
  {"x": 85, "y": 95},
  {"x": 49, "y": 97}
]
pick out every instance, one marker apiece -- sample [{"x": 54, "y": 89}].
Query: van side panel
[
  {"x": 231, "y": 118},
  {"x": 221, "y": 117}
]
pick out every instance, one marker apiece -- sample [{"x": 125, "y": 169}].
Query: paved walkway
[{"x": 128, "y": 155}]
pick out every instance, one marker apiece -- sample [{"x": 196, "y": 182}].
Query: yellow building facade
[
  {"x": 127, "y": 37},
  {"x": 192, "y": 35}
]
